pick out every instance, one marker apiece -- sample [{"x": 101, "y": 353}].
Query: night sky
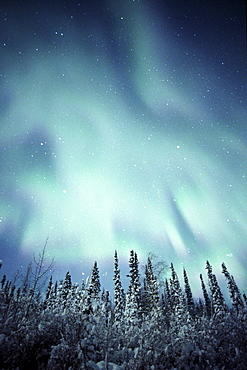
[{"x": 123, "y": 126}]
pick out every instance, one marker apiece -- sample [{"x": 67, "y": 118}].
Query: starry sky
[{"x": 123, "y": 126}]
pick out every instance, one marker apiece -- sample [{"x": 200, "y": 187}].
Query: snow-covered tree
[
  {"x": 235, "y": 295},
  {"x": 188, "y": 294},
  {"x": 92, "y": 295},
  {"x": 48, "y": 292},
  {"x": 150, "y": 299},
  {"x": 94, "y": 283},
  {"x": 167, "y": 296},
  {"x": 177, "y": 297},
  {"x": 66, "y": 288},
  {"x": 218, "y": 302},
  {"x": 119, "y": 297},
  {"x": 208, "y": 305},
  {"x": 62, "y": 330},
  {"x": 133, "y": 296}
]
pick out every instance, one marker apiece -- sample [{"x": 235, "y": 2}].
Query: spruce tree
[
  {"x": 92, "y": 295},
  {"x": 207, "y": 300},
  {"x": 133, "y": 297},
  {"x": 134, "y": 275},
  {"x": 67, "y": 284},
  {"x": 119, "y": 299},
  {"x": 177, "y": 298},
  {"x": 48, "y": 292},
  {"x": 106, "y": 307},
  {"x": 3, "y": 281},
  {"x": 94, "y": 283},
  {"x": 245, "y": 299},
  {"x": 235, "y": 295},
  {"x": 168, "y": 302},
  {"x": 151, "y": 290},
  {"x": 218, "y": 302},
  {"x": 188, "y": 294}
]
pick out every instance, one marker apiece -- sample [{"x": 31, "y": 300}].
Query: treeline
[{"x": 153, "y": 325}]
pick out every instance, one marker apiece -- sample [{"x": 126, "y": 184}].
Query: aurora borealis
[{"x": 123, "y": 126}]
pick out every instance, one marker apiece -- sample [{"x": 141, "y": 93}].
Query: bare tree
[{"x": 39, "y": 276}]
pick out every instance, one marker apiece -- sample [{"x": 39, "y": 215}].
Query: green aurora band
[{"x": 101, "y": 154}]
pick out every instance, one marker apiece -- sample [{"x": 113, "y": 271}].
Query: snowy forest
[{"x": 155, "y": 324}]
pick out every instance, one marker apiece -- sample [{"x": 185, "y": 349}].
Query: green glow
[{"x": 97, "y": 170}]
